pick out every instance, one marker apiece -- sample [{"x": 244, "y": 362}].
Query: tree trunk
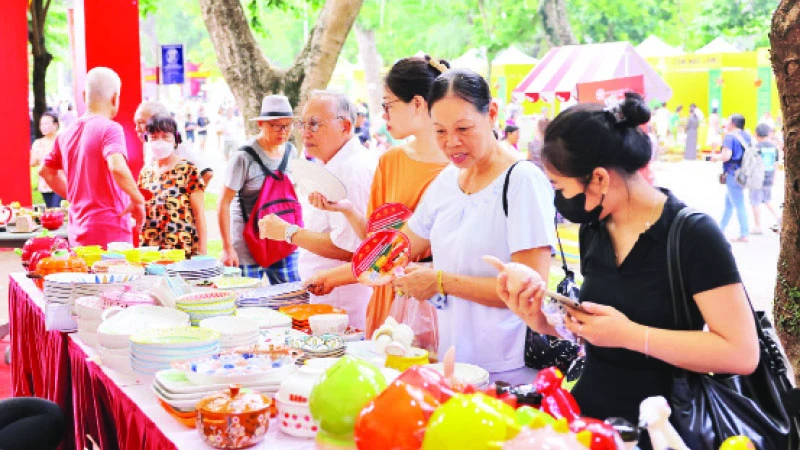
[
  {"x": 556, "y": 22},
  {"x": 785, "y": 43},
  {"x": 248, "y": 72},
  {"x": 372, "y": 69},
  {"x": 41, "y": 59}
]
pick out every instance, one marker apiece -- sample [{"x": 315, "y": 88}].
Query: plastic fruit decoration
[
  {"x": 396, "y": 419},
  {"x": 527, "y": 415},
  {"x": 429, "y": 380},
  {"x": 475, "y": 422},
  {"x": 654, "y": 415},
  {"x": 61, "y": 261},
  {"x": 44, "y": 242},
  {"x": 340, "y": 394},
  {"x": 556, "y": 401},
  {"x": 738, "y": 443},
  {"x": 555, "y": 436},
  {"x": 516, "y": 396},
  {"x": 518, "y": 273},
  {"x": 52, "y": 219},
  {"x": 603, "y": 435}
]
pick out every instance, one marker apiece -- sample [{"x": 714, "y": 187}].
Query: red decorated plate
[
  {"x": 381, "y": 258},
  {"x": 391, "y": 216}
]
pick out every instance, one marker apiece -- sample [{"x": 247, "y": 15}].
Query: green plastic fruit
[
  {"x": 339, "y": 395},
  {"x": 527, "y": 414},
  {"x": 474, "y": 421}
]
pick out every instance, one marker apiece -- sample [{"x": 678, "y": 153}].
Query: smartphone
[{"x": 563, "y": 299}]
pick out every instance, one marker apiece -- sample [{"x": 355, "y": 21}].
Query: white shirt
[
  {"x": 461, "y": 228},
  {"x": 183, "y": 151},
  {"x": 355, "y": 166}
]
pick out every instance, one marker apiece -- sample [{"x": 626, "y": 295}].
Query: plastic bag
[{"x": 421, "y": 317}]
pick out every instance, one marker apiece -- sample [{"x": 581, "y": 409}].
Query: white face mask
[{"x": 161, "y": 149}]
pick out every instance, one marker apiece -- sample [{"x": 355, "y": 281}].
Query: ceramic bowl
[
  {"x": 88, "y": 324},
  {"x": 417, "y": 357},
  {"x": 115, "y": 359},
  {"x": 88, "y": 338},
  {"x": 231, "y": 325},
  {"x": 119, "y": 324},
  {"x": 180, "y": 337},
  {"x": 233, "y": 418},
  {"x": 237, "y": 367},
  {"x": 295, "y": 420},
  {"x": 328, "y": 323},
  {"x": 90, "y": 308}
]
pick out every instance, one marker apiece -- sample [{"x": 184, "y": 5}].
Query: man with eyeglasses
[
  {"x": 150, "y": 108},
  {"x": 327, "y": 126},
  {"x": 244, "y": 179}
]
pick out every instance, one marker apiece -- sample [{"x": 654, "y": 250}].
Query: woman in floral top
[{"x": 174, "y": 212}]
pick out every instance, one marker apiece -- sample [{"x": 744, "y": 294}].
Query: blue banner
[{"x": 172, "y": 64}]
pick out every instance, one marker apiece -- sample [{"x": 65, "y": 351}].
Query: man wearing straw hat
[{"x": 242, "y": 186}]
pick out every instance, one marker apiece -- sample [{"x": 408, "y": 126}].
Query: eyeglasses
[
  {"x": 278, "y": 127},
  {"x": 313, "y": 125},
  {"x": 385, "y": 105},
  {"x": 151, "y": 138}
]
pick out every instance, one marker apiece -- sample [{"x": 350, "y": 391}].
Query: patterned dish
[
  {"x": 205, "y": 297},
  {"x": 175, "y": 337},
  {"x": 326, "y": 343},
  {"x": 301, "y": 313},
  {"x": 240, "y": 366},
  {"x": 236, "y": 283}
]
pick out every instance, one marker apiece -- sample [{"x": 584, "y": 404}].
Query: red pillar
[
  {"x": 14, "y": 113},
  {"x": 106, "y": 33}
]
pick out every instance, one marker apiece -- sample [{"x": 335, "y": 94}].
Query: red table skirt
[
  {"x": 104, "y": 412},
  {"x": 39, "y": 358}
]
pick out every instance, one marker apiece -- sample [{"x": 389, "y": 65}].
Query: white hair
[
  {"x": 101, "y": 84},
  {"x": 344, "y": 107}
]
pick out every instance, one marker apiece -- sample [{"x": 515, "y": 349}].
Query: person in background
[
  {"x": 713, "y": 138},
  {"x": 763, "y": 196},
  {"x": 535, "y": 145},
  {"x": 692, "y": 124},
  {"x": 243, "y": 182},
  {"x": 404, "y": 172},
  {"x": 229, "y": 130},
  {"x": 510, "y": 138},
  {"x": 175, "y": 216},
  {"x": 767, "y": 120},
  {"x": 362, "y": 126},
  {"x": 328, "y": 238},
  {"x": 96, "y": 178},
  {"x": 49, "y": 126},
  {"x": 731, "y": 157},
  {"x": 189, "y": 127},
  {"x": 513, "y": 112},
  {"x": 675, "y": 124},
  {"x": 148, "y": 109},
  {"x": 461, "y": 218},
  {"x": 68, "y": 117},
  {"x": 633, "y": 344},
  {"x": 202, "y": 127}
]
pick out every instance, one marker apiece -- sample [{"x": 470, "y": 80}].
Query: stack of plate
[
  {"x": 467, "y": 374},
  {"x": 155, "y": 349},
  {"x": 203, "y": 305},
  {"x": 324, "y": 346},
  {"x": 196, "y": 269},
  {"x": 235, "y": 283},
  {"x": 301, "y": 313},
  {"x": 265, "y": 317},
  {"x": 234, "y": 331},
  {"x": 65, "y": 287},
  {"x": 275, "y": 297}
]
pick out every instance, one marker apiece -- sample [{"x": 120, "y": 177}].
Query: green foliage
[{"x": 787, "y": 312}]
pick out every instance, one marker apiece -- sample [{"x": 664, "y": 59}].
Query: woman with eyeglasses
[
  {"x": 174, "y": 212},
  {"x": 404, "y": 172},
  {"x": 243, "y": 181},
  {"x": 462, "y": 217}
]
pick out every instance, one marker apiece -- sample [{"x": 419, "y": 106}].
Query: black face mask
[{"x": 574, "y": 208}]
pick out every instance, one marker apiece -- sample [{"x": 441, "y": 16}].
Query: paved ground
[{"x": 695, "y": 182}]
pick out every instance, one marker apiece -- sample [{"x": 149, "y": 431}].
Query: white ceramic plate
[
  {"x": 175, "y": 337},
  {"x": 312, "y": 177},
  {"x": 466, "y": 373},
  {"x": 141, "y": 317},
  {"x": 174, "y": 382},
  {"x": 265, "y": 317}
]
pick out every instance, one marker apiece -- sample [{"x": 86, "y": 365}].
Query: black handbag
[
  {"x": 709, "y": 408},
  {"x": 541, "y": 350}
]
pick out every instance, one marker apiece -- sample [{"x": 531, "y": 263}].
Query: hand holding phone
[{"x": 564, "y": 300}]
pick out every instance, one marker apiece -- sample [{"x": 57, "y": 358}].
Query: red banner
[{"x": 601, "y": 91}]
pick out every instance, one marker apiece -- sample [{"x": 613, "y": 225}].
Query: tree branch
[{"x": 44, "y": 12}]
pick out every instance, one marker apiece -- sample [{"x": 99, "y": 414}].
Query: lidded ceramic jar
[{"x": 233, "y": 418}]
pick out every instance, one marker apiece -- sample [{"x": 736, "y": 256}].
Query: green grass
[
  {"x": 214, "y": 248},
  {"x": 37, "y": 196},
  {"x": 211, "y": 201}
]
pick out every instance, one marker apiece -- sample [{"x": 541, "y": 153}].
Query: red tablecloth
[
  {"x": 39, "y": 359},
  {"x": 106, "y": 413}
]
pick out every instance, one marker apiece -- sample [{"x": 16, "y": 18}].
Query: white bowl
[
  {"x": 231, "y": 326},
  {"x": 90, "y": 308},
  {"x": 266, "y": 317},
  {"x": 295, "y": 420},
  {"x": 88, "y": 325},
  {"x": 328, "y": 323},
  {"x": 87, "y": 337},
  {"x": 115, "y": 360},
  {"x": 117, "y": 321}
]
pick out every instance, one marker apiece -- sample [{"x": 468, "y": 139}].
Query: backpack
[
  {"x": 750, "y": 173},
  {"x": 277, "y": 196}
]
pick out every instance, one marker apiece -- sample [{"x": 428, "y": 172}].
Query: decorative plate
[
  {"x": 175, "y": 336},
  {"x": 326, "y": 343},
  {"x": 301, "y": 313}
]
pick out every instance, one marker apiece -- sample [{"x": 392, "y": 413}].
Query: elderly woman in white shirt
[{"x": 461, "y": 217}]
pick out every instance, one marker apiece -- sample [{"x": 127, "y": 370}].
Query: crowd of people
[{"x": 471, "y": 193}]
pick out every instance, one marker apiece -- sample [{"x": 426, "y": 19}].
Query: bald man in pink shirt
[{"x": 96, "y": 178}]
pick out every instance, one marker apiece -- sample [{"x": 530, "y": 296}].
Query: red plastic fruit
[
  {"x": 428, "y": 380},
  {"x": 43, "y": 242},
  {"x": 604, "y": 437},
  {"x": 556, "y": 401}
]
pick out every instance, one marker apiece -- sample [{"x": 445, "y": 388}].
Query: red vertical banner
[
  {"x": 113, "y": 43},
  {"x": 14, "y": 114}
]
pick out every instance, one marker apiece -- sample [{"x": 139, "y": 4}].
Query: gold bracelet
[{"x": 440, "y": 282}]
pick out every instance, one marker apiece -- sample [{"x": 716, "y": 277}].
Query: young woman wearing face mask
[
  {"x": 403, "y": 173},
  {"x": 461, "y": 218},
  {"x": 592, "y": 157},
  {"x": 174, "y": 215},
  {"x": 41, "y": 147}
]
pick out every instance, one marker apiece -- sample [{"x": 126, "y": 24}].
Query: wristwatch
[{"x": 291, "y": 230}]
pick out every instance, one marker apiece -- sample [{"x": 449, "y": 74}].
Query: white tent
[
  {"x": 473, "y": 59},
  {"x": 513, "y": 55},
  {"x": 718, "y": 45},
  {"x": 654, "y": 47}
]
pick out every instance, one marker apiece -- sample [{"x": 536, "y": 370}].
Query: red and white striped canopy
[{"x": 562, "y": 68}]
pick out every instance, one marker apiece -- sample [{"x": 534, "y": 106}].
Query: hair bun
[{"x": 634, "y": 109}]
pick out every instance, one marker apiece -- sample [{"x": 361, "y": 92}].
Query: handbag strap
[{"x": 267, "y": 173}]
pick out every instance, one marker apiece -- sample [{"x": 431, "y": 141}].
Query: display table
[
  {"x": 117, "y": 411},
  {"x": 39, "y": 359},
  {"x": 9, "y": 239}
]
